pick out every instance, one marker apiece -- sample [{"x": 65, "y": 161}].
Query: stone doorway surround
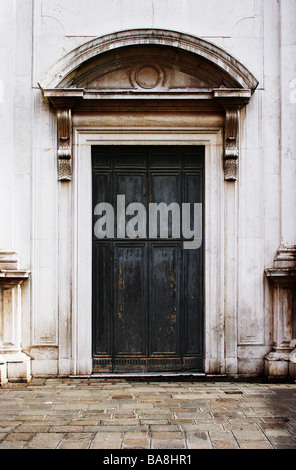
[
  {"x": 82, "y": 262},
  {"x": 148, "y": 87}
]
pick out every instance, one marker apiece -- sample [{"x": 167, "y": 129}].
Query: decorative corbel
[
  {"x": 64, "y": 124},
  {"x": 231, "y": 144}
]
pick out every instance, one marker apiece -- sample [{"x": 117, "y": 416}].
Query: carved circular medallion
[{"x": 147, "y": 76}]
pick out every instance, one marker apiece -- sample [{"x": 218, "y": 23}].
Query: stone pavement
[{"x": 122, "y": 414}]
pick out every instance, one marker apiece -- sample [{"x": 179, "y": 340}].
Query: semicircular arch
[{"x": 71, "y": 63}]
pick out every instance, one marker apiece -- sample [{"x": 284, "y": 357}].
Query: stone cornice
[
  {"x": 12, "y": 278},
  {"x": 10, "y": 273}
]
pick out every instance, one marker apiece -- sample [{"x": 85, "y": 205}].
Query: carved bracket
[
  {"x": 64, "y": 123},
  {"x": 231, "y": 144}
]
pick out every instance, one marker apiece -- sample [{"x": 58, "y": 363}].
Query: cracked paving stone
[
  {"x": 167, "y": 444},
  {"x": 45, "y": 441},
  {"x": 21, "y": 436},
  {"x": 198, "y": 440},
  {"x": 220, "y": 444},
  {"x": 255, "y": 445},
  {"x": 246, "y": 435}
]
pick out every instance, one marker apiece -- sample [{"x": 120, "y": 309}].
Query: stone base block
[
  {"x": 292, "y": 371},
  {"x": 44, "y": 367},
  {"x": 18, "y": 366},
  {"x": 3, "y": 372},
  {"x": 250, "y": 367},
  {"x": 292, "y": 365},
  {"x": 277, "y": 365}
]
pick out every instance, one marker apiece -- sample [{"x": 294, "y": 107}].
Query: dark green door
[{"x": 147, "y": 287}]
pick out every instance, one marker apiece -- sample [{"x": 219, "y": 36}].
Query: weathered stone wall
[{"x": 34, "y": 35}]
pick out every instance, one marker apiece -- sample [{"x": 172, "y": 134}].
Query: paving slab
[{"x": 99, "y": 413}]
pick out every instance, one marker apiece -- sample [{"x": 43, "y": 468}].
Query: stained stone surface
[{"x": 124, "y": 414}]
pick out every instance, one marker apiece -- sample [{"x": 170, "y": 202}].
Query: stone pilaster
[
  {"x": 14, "y": 363},
  {"x": 278, "y": 363}
]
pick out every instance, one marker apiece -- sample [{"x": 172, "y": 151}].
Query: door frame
[{"x": 80, "y": 203}]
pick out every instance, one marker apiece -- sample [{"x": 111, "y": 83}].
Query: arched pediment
[
  {"x": 150, "y": 64},
  {"x": 146, "y": 60},
  {"x": 146, "y": 68}
]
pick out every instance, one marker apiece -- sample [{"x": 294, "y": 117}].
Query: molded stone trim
[{"x": 54, "y": 77}]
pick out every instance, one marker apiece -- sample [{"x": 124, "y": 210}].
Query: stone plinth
[
  {"x": 14, "y": 363},
  {"x": 283, "y": 279}
]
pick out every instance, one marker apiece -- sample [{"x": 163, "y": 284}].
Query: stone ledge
[
  {"x": 12, "y": 278},
  {"x": 279, "y": 274}
]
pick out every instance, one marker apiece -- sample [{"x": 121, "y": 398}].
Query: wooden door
[{"x": 147, "y": 291}]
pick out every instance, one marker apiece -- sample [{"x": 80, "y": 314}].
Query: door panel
[
  {"x": 193, "y": 308},
  {"x": 102, "y": 301},
  {"x": 164, "y": 310},
  {"x": 130, "y": 300},
  {"x": 147, "y": 289}
]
